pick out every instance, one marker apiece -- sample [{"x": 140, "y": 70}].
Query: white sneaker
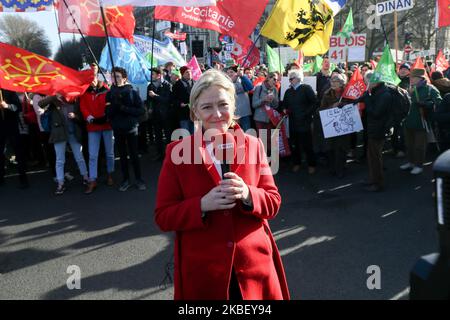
[
  {"x": 417, "y": 170},
  {"x": 407, "y": 166}
]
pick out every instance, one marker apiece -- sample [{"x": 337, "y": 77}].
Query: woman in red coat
[{"x": 224, "y": 248}]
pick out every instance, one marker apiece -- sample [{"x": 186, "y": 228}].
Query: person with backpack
[
  {"x": 124, "y": 108},
  {"x": 424, "y": 98},
  {"x": 65, "y": 128}
]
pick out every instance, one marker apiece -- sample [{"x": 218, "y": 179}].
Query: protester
[
  {"x": 65, "y": 128},
  {"x": 181, "y": 91},
  {"x": 300, "y": 103},
  {"x": 424, "y": 98},
  {"x": 441, "y": 83},
  {"x": 92, "y": 106},
  {"x": 123, "y": 109},
  {"x": 9, "y": 132},
  {"x": 403, "y": 74},
  {"x": 224, "y": 248},
  {"x": 242, "y": 86}
]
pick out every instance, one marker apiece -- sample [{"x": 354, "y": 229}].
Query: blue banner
[{"x": 25, "y": 5}]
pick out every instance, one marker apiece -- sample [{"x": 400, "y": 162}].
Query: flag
[
  {"x": 301, "y": 59},
  {"x": 441, "y": 63},
  {"x": 163, "y": 52},
  {"x": 317, "y": 66},
  {"x": 24, "y": 71},
  {"x": 273, "y": 60},
  {"x": 348, "y": 27},
  {"x": 373, "y": 63},
  {"x": 25, "y": 5},
  {"x": 194, "y": 66},
  {"x": 355, "y": 87},
  {"x": 308, "y": 67},
  {"x": 235, "y": 18},
  {"x": 418, "y": 64},
  {"x": 245, "y": 53},
  {"x": 151, "y": 3},
  {"x": 386, "y": 69},
  {"x": 119, "y": 20},
  {"x": 302, "y": 24},
  {"x": 128, "y": 57},
  {"x": 336, "y": 5},
  {"x": 442, "y": 13}
]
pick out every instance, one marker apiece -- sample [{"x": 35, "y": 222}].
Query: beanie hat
[
  {"x": 184, "y": 69},
  {"x": 406, "y": 66}
]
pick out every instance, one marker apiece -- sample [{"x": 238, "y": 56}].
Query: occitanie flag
[
  {"x": 24, "y": 71},
  {"x": 301, "y": 24}
]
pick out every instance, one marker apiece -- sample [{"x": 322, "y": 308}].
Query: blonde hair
[{"x": 210, "y": 79}]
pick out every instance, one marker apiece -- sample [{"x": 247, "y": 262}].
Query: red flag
[
  {"x": 242, "y": 49},
  {"x": 355, "y": 87},
  {"x": 235, "y": 18},
  {"x": 24, "y": 71},
  {"x": 373, "y": 63},
  {"x": 418, "y": 64},
  {"x": 119, "y": 20},
  {"x": 441, "y": 63},
  {"x": 195, "y": 67},
  {"x": 442, "y": 13}
]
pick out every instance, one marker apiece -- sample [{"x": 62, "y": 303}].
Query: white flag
[{"x": 151, "y": 3}]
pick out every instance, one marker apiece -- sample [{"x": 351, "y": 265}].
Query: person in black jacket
[
  {"x": 181, "y": 92},
  {"x": 159, "y": 94},
  {"x": 123, "y": 109},
  {"x": 379, "y": 106},
  {"x": 300, "y": 103},
  {"x": 442, "y": 118},
  {"x": 10, "y": 107}
]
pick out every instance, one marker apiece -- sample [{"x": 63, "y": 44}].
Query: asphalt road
[{"x": 329, "y": 231}]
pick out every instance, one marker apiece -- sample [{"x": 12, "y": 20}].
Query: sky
[{"x": 46, "y": 20}]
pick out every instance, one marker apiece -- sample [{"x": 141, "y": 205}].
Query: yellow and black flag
[{"x": 302, "y": 24}]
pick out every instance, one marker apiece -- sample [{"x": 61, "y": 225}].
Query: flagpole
[
  {"x": 82, "y": 37},
  {"x": 396, "y": 37},
  {"x": 107, "y": 38},
  {"x": 153, "y": 46},
  {"x": 251, "y": 49},
  {"x": 279, "y": 60}
]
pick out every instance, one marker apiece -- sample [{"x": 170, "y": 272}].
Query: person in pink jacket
[
  {"x": 224, "y": 248},
  {"x": 92, "y": 106}
]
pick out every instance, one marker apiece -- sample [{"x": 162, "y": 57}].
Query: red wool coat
[
  {"x": 207, "y": 250},
  {"x": 93, "y": 104}
]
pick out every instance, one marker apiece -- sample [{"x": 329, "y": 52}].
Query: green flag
[
  {"x": 308, "y": 67},
  {"x": 348, "y": 27},
  {"x": 317, "y": 64},
  {"x": 273, "y": 60},
  {"x": 148, "y": 57},
  {"x": 386, "y": 70}
]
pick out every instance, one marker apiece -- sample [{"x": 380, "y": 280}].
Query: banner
[
  {"x": 175, "y": 36},
  {"x": 119, "y": 20},
  {"x": 24, "y": 71},
  {"x": 340, "y": 121},
  {"x": 128, "y": 57},
  {"x": 25, "y": 5},
  {"x": 151, "y": 3},
  {"x": 163, "y": 52},
  {"x": 235, "y": 18},
  {"x": 356, "y": 45},
  {"x": 442, "y": 13}
]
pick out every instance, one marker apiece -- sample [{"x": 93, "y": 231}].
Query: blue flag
[
  {"x": 25, "y": 5},
  {"x": 126, "y": 55}
]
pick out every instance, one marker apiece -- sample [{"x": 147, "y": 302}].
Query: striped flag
[{"x": 25, "y": 5}]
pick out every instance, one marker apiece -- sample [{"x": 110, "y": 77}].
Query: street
[{"x": 329, "y": 231}]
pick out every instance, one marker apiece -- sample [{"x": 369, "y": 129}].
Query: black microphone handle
[{"x": 225, "y": 168}]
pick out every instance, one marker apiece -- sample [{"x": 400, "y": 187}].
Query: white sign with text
[{"x": 341, "y": 121}]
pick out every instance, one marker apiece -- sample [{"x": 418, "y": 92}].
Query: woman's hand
[
  {"x": 216, "y": 199},
  {"x": 235, "y": 188}
]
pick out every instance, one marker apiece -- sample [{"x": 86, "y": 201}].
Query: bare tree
[
  {"x": 73, "y": 53},
  {"x": 25, "y": 34}
]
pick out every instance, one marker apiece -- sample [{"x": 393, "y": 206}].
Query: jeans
[
  {"x": 127, "y": 143},
  {"x": 77, "y": 150},
  {"x": 94, "y": 146},
  {"x": 245, "y": 123},
  {"x": 188, "y": 125}
]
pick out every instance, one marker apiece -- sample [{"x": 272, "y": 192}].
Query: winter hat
[
  {"x": 419, "y": 73},
  {"x": 184, "y": 69},
  {"x": 406, "y": 66}
]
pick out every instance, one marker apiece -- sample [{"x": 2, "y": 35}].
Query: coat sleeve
[
  {"x": 265, "y": 196},
  {"x": 173, "y": 212},
  {"x": 257, "y": 97}
]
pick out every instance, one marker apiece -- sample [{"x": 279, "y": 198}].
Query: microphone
[{"x": 224, "y": 150}]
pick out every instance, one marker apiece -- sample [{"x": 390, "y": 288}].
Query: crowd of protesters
[{"x": 35, "y": 130}]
